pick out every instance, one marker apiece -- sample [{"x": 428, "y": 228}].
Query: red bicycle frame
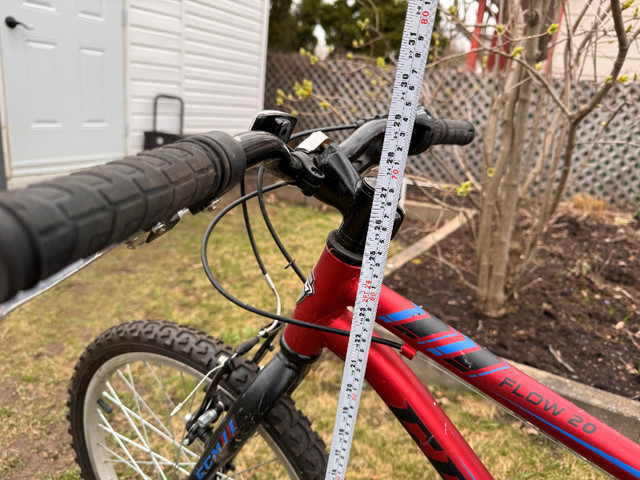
[{"x": 331, "y": 290}]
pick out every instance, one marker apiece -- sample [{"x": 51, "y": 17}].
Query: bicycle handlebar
[
  {"x": 452, "y": 132},
  {"x": 364, "y": 146},
  {"x": 47, "y": 226}
]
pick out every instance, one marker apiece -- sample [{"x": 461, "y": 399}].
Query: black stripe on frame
[
  {"x": 423, "y": 328},
  {"x": 478, "y": 359}
]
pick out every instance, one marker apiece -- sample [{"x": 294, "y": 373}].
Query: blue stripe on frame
[
  {"x": 597, "y": 451},
  {"x": 466, "y": 468},
  {"x": 491, "y": 371},
  {"x": 458, "y": 346}
]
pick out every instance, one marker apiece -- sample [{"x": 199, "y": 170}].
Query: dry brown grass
[
  {"x": 593, "y": 208},
  {"x": 588, "y": 203},
  {"x": 40, "y": 342}
]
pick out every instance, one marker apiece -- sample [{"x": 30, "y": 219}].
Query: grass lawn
[{"x": 40, "y": 343}]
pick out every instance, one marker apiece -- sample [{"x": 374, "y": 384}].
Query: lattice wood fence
[{"x": 611, "y": 171}]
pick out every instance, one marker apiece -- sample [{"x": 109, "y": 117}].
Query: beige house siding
[{"x": 597, "y": 64}]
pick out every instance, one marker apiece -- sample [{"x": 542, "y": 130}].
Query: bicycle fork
[{"x": 281, "y": 375}]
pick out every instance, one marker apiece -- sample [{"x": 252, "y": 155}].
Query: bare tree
[
  {"x": 533, "y": 57},
  {"x": 521, "y": 32}
]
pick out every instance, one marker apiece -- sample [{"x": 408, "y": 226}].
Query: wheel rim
[{"x": 129, "y": 431}]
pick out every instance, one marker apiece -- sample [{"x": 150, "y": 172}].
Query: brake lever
[{"x": 161, "y": 228}]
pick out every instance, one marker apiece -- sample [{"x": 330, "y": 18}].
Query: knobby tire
[{"x": 111, "y": 426}]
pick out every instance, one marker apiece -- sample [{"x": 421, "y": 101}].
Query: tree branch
[{"x": 623, "y": 48}]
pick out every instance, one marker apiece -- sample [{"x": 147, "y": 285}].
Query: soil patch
[{"x": 578, "y": 314}]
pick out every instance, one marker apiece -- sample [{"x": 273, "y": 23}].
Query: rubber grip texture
[
  {"x": 47, "y": 226},
  {"x": 452, "y": 132}
]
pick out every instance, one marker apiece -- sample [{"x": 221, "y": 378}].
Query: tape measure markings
[{"x": 412, "y": 59}]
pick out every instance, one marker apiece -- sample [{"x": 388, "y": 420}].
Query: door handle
[{"x": 13, "y": 23}]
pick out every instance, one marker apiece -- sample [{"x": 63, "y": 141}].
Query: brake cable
[
  {"x": 269, "y": 331},
  {"x": 252, "y": 308},
  {"x": 265, "y": 215}
]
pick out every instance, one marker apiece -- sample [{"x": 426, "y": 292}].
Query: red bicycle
[{"x": 159, "y": 400}]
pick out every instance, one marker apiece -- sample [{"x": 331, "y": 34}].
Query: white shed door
[{"x": 63, "y": 84}]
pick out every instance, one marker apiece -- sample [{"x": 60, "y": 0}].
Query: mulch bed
[{"x": 577, "y": 316}]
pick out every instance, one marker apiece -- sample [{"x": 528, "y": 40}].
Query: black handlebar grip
[
  {"x": 452, "y": 132},
  {"x": 45, "y": 227}
]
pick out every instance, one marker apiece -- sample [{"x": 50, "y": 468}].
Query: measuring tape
[{"x": 412, "y": 60}]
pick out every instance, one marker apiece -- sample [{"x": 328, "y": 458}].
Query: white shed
[{"x": 79, "y": 77}]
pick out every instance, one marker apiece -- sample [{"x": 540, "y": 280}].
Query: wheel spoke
[
  {"x": 133, "y": 425},
  {"x": 160, "y": 383},
  {"x": 178, "y": 447},
  {"x": 116, "y": 401},
  {"x": 255, "y": 467},
  {"x": 118, "y": 438},
  {"x": 121, "y": 439},
  {"x": 137, "y": 399},
  {"x": 124, "y": 461},
  {"x": 169, "y": 431}
]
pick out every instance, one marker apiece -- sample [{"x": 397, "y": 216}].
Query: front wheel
[{"x": 130, "y": 379}]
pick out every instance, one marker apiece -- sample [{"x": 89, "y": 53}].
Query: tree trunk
[{"x": 500, "y": 193}]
